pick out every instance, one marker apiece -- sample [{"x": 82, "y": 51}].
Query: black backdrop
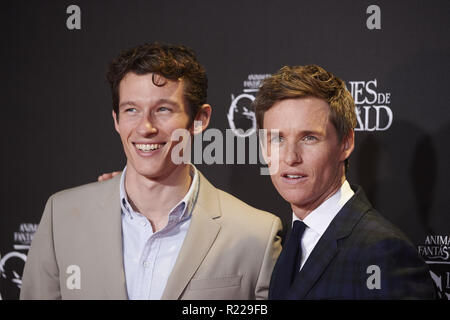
[{"x": 57, "y": 130}]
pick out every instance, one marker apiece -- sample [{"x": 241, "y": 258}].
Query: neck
[
  {"x": 303, "y": 211},
  {"x": 153, "y": 198}
]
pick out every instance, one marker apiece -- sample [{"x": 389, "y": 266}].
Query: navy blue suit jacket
[{"x": 359, "y": 237}]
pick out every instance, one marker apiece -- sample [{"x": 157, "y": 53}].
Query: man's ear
[
  {"x": 116, "y": 121},
  {"x": 348, "y": 144},
  {"x": 201, "y": 120}
]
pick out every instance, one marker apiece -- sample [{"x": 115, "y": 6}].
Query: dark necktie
[{"x": 288, "y": 265}]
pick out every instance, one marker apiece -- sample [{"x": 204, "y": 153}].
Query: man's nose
[
  {"x": 146, "y": 127},
  {"x": 291, "y": 155}
]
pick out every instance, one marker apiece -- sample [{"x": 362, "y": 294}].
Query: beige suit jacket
[{"x": 229, "y": 251}]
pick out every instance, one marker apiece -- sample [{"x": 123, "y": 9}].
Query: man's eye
[
  {"x": 310, "y": 138},
  {"x": 130, "y": 110},
  {"x": 163, "y": 109},
  {"x": 277, "y": 139}
]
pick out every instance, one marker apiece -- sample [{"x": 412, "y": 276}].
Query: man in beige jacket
[{"x": 159, "y": 230}]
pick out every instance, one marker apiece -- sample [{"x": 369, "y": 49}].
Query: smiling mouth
[
  {"x": 148, "y": 147},
  {"x": 293, "y": 176}
]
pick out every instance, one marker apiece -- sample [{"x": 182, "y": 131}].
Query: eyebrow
[
  {"x": 168, "y": 101},
  {"x": 160, "y": 101},
  {"x": 127, "y": 103},
  {"x": 312, "y": 132},
  {"x": 302, "y": 133}
]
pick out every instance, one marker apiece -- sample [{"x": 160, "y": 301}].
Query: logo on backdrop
[
  {"x": 241, "y": 117},
  {"x": 372, "y": 106},
  {"x": 373, "y": 111},
  {"x": 13, "y": 262},
  {"x": 436, "y": 252}
]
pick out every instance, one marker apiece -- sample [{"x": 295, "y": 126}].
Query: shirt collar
[
  {"x": 185, "y": 205},
  {"x": 320, "y": 218}
]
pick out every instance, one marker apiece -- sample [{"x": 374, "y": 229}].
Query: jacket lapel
[
  {"x": 327, "y": 247},
  {"x": 201, "y": 235},
  {"x": 320, "y": 257},
  {"x": 107, "y": 223}
]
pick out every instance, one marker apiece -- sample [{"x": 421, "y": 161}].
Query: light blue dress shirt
[{"x": 149, "y": 256}]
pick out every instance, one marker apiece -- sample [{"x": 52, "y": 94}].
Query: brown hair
[
  {"x": 303, "y": 81},
  {"x": 169, "y": 61}
]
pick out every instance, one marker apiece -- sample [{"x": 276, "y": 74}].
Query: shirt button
[
  {"x": 146, "y": 264},
  {"x": 143, "y": 223}
]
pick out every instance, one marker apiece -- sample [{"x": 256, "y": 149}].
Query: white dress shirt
[
  {"x": 149, "y": 256},
  {"x": 318, "y": 220}
]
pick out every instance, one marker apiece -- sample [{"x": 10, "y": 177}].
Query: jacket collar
[
  {"x": 327, "y": 247},
  {"x": 201, "y": 235},
  {"x": 108, "y": 223}
]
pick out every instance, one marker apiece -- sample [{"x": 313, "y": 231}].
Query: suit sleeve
[
  {"x": 272, "y": 251},
  {"x": 404, "y": 275},
  {"x": 41, "y": 274}
]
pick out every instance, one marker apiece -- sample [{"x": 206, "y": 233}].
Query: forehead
[
  {"x": 301, "y": 114},
  {"x": 141, "y": 88}
]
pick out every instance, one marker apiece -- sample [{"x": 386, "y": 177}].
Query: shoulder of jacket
[
  {"x": 87, "y": 190},
  {"x": 236, "y": 208}
]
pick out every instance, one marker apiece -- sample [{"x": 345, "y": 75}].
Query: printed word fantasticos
[{"x": 435, "y": 247}]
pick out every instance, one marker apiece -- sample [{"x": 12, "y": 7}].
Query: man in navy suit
[{"x": 340, "y": 247}]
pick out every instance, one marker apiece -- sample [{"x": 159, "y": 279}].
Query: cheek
[
  {"x": 124, "y": 131},
  {"x": 274, "y": 179},
  {"x": 125, "y": 125},
  {"x": 320, "y": 160},
  {"x": 326, "y": 166},
  {"x": 178, "y": 121}
]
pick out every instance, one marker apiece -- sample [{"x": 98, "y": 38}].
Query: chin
[
  {"x": 145, "y": 170},
  {"x": 294, "y": 197},
  {"x": 155, "y": 172}
]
